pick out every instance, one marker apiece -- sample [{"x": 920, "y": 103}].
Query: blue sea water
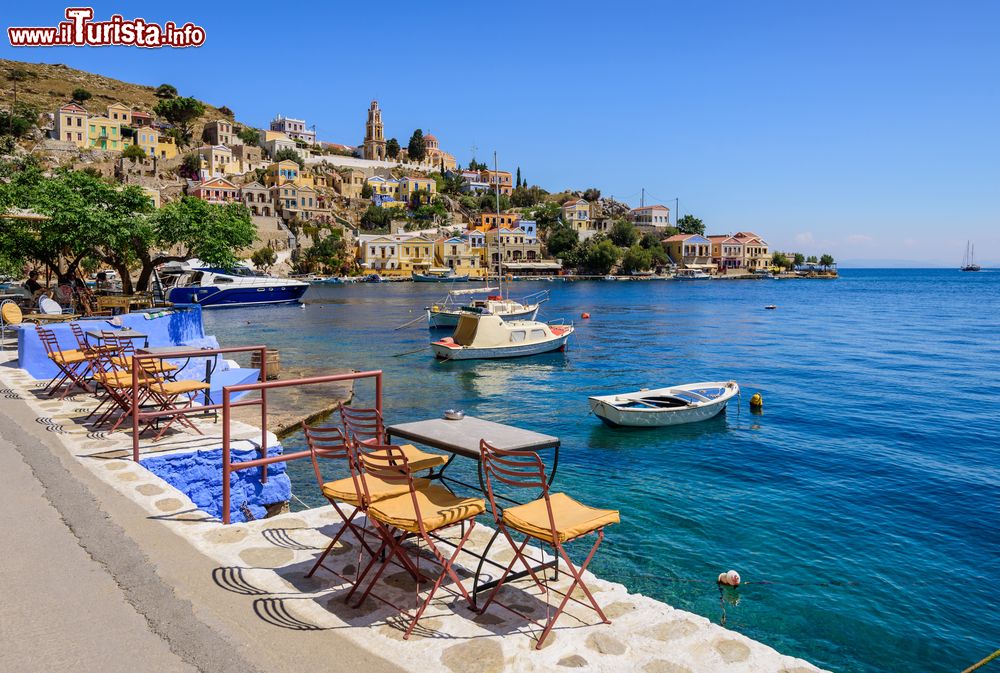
[{"x": 861, "y": 507}]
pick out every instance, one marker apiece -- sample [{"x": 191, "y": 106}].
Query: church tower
[{"x": 374, "y": 147}]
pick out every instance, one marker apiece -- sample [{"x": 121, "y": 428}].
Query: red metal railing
[{"x": 263, "y": 386}]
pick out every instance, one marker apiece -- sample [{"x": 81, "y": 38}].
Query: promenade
[{"x": 108, "y": 560}]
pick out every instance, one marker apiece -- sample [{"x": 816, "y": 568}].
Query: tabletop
[
  {"x": 182, "y": 351},
  {"x": 120, "y": 333},
  {"x": 462, "y": 437}
]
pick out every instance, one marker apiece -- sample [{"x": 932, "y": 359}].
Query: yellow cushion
[
  {"x": 421, "y": 460},
  {"x": 438, "y": 508},
  {"x": 70, "y": 357},
  {"x": 150, "y": 366},
  {"x": 11, "y": 314},
  {"x": 572, "y": 518},
  {"x": 119, "y": 379},
  {"x": 378, "y": 489}
]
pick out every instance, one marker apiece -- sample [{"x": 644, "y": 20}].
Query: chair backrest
[
  {"x": 388, "y": 463},
  {"x": 517, "y": 469},
  {"x": 49, "y": 306},
  {"x": 81, "y": 338},
  {"x": 329, "y": 442},
  {"x": 49, "y": 341},
  {"x": 10, "y": 313},
  {"x": 362, "y": 424}
]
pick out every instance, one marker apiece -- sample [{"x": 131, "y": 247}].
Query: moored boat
[
  {"x": 442, "y": 275},
  {"x": 676, "y": 405},
  {"x": 447, "y": 313},
  {"x": 691, "y": 274},
  {"x": 193, "y": 283},
  {"x": 486, "y": 336}
]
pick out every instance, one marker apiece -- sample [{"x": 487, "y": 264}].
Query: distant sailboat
[{"x": 969, "y": 261}]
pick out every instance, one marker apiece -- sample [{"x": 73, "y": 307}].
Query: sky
[{"x": 866, "y": 130}]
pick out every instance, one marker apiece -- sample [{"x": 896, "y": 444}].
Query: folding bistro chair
[
  {"x": 72, "y": 365},
  {"x": 365, "y": 425},
  {"x": 173, "y": 396},
  {"x": 330, "y": 443},
  {"x": 414, "y": 515},
  {"x": 554, "y": 519}
]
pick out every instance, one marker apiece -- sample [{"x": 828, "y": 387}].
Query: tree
[
  {"x": 134, "y": 152},
  {"x": 166, "y": 91},
  {"x": 290, "y": 155},
  {"x": 826, "y": 261},
  {"x": 417, "y": 149},
  {"x": 601, "y": 257},
  {"x": 226, "y": 111},
  {"x": 264, "y": 258},
  {"x": 19, "y": 120},
  {"x": 488, "y": 202},
  {"x": 81, "y": 95},
  {"x": 249, "y": 135},
  {"x": 637, "y": 258},
  {"x": 798, "y": 259},
  {"x": 366, "y": 191},
  {"x": 331, "y": 253},
  {"x": 546, "y": 215},
  {"x": 375, "y": 218},
  {"x": 477, "y": 166},
  {"x": 779, "y": 260},
  {"x": 689, "y": 224},
  {"x": 812, "y": 259},
  {"x": 653, "y": 244},
  {"x": 592, "y": 194},
  {"x": 517, "y": 182},
  {"x": 524, "y": 196},
  {"x": 180, "y": 112},
  {"x": 561, "y": 239},
  {"x": 623, "y": 234},
  {"x": 190, "y": 166},
  {"x": 392, "y": 148}
]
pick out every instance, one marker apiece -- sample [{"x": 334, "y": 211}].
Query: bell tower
[{"x": 374, "y": 147}]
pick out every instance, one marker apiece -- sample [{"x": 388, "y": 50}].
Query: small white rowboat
[{"x": 686, "y": 403}]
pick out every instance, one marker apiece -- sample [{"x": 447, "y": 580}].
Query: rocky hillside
[{"x": 50, "y": 85}]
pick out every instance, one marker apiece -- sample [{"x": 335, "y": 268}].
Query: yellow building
[
  {"x": 218, "y": 160},
  {"x": 104, "y": 134},
  {"x": 166, "y": 148},
  {"x": 383, "y": 186},
  {"x": 410, "y": 186},
  {"x": 281, "y": 172},
  {"x": 576, "y": 213},
  {"x": 414, "y": 252},
  {"x": 120, "y": 113},
  {"x": 71, "y": 125},
  {"x": 456, "y": 253},
  {"x": 147, "y": 139},
  {"x": 487, "y": 221}
]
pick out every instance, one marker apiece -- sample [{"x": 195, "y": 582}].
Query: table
[
  {"x": 461, "y": 438},
  {"x": 129, "y": 333}
]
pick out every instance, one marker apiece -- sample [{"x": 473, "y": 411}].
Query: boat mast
[{"x": 496, "y": 185}]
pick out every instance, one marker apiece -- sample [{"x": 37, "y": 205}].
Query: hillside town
[{"x": 382, "y": 207}]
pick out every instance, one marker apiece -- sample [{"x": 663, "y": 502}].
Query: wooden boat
[
  {"x": 443, "y": 275},
  {"x": 447, "y": 313},
  {"x": 481, "y": 336},
  {"x": 676, "y": 405}
]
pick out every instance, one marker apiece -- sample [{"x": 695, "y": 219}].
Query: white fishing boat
[
  {"x": 447, "y": 312},
  {"x": 481, "y": 336},
  {"x": 439, "y": 275},
  {"x": 691, "y": 274},
  {"x": 687, "y": 403}
]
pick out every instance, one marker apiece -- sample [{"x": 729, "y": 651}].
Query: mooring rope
[
  {"x": 982, "y": 663},
  {"x": 422, "y": 348},
  {"x": 417, "y": 319}
]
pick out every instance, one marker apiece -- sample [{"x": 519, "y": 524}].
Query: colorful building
[
  {"x": 166, "y": 148},
  {"x": 486, "y": 221},
  {"x": 71, "y": 125},
  {"x": 410, "y": 186},
  {"x": 287, "y": 170},
  {"x": 294, "y": 128},
  {"x": 216, "y": 190},
  {"x": 457, "y": 253},
  {"x": 146, "y": 138},
  {"x": 217, "y": 160},
  {"x": 104, "y": 133},
  {"x": 576, "y": 213},
  {"x": 495, "y": 179},
  {"x": 257, "y": 198},
  {"x": 727, "y": 252},
  {"x": 756, "y": 254},
  {"x": 219, "y": 132},
  {"x": 650, "y": 218},
  {"x": 120, "y": 113},
  {"x": 690, "y": 251}
]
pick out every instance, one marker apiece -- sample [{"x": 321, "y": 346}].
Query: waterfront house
[
  {"x": 257, "y": 198},
  {"x": 689, "y": 251},
  {"x": 727, "y": 253},
  {"x": 576, "y": 213},
  {"x": 120, "y": 113},
  {"x": 756, "y": 254},
  {"x": 456, "y": 253},
  {"x": 216, "y": 190},
  {"x": 71, "y": 125},
  {"x": 377, "y": 252},
  {"x": 414, "y": 252},
  {"x": 217, "y": 160},
  {"x": 219, "y": 132},
  {"x": 514, "y": 246},
  {"x": 486, "y": 221},
  {"x": 652, "y": 219},
  {"x": 104, "y": 133},
  {"x": 295, "y": 129}
]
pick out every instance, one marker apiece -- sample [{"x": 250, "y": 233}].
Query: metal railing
[{"x": 263, "y": 386}]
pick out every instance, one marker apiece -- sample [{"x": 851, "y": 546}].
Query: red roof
[{"x": 657, "y": 207}]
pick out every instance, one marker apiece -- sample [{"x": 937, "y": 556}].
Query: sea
[{"x": 861, "y": 506}]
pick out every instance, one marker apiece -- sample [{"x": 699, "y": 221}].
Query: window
[{"x": 517, "y": 337}]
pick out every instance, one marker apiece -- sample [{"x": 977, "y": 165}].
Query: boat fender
[
  {"x": 585, "y": 316},
  {"x": 730, "y": 578},
  {"x": 757, "y": 402}
]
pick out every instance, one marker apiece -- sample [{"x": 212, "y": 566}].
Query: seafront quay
[{"x": 237, "y": 597}]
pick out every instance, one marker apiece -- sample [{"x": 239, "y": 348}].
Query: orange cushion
[
  {"x": 572, "y": 519},
  {"x": 378, "y": 489},
  {"x": 438, "y": 508}
]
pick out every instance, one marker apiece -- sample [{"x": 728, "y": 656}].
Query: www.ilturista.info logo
[{"x": 79, "y": 30}]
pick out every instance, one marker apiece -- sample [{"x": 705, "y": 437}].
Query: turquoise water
[{"x": 861, "y": 507}]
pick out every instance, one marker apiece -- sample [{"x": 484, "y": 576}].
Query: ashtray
[{"x": 454, "y": 415}]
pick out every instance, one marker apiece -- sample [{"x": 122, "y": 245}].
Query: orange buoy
[{"x": 585, "y": 316}]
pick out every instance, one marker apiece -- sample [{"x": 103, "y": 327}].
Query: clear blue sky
[{"x": 865, "y": 129}]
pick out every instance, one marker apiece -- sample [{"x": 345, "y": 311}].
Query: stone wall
[{"x": 199, "y": 476}]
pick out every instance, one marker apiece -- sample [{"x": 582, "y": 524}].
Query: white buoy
[{"x": 730, "y": 578}]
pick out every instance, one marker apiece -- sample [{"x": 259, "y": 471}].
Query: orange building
[{"x": 487, "y": 221}]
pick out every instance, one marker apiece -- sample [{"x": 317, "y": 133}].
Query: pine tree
[
  {"x": 518, "y": 182},
  {"x": 416, "y": 151}
]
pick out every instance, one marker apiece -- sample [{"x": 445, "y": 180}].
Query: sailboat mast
[{"x": 496, "y": 186}]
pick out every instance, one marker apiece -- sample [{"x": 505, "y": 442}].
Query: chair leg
[
  {"x": 348, "y": 524},
  {"x": 447, "y": 569},
  {"x": 518, "y": 556},
  {"x": 577, "y": 575}
]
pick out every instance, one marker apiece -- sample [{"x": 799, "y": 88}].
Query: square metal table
[
  {"x": 129, "y": 333},
  {"x": 461, "y": 438}
]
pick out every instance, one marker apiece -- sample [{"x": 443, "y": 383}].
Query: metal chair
[
  {"x": 11, "y": 317},
  {"x": 73, "y": 365},
  {"x": 415, "y": 515},
  {"x": 553, "y": 519},
  {"x": 367, "y": 427}
]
